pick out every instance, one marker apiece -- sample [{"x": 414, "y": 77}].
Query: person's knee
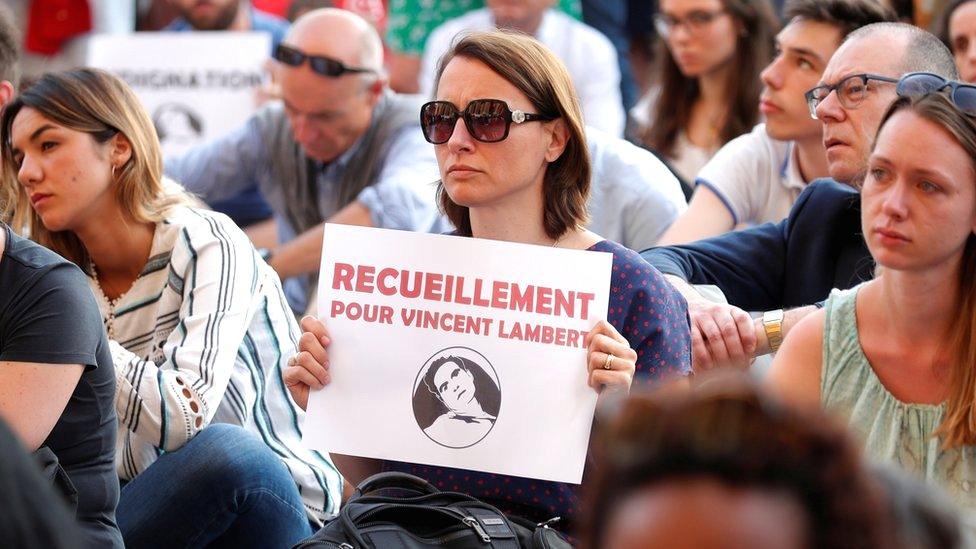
[{"x": 229, "y": 457}]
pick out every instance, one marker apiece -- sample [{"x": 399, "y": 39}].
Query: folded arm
[{"x": 170, "y": 402}]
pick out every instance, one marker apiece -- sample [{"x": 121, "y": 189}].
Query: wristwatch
[{"x": 773, "y": 325}]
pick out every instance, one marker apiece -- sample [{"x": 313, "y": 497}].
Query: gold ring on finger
[{"x": 608, "y": 362}]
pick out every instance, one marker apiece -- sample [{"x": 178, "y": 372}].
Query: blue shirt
[
  {"x": 260, "y": 21},
  {"x": 653, "y": 317}
]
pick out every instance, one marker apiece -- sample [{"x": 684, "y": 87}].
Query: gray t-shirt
[{"x": 49, "y": 315}]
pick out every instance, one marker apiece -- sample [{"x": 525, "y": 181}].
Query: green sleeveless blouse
[{"x": 892, "y": 431}]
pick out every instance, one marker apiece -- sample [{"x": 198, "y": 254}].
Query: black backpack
[{"x": 420, "y": 516}]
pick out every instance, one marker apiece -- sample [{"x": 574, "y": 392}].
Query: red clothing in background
[
  {"x": 51, "y": 23},
  {"x": 274, "y": 7}
]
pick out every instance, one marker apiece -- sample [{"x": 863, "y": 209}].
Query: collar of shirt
[{"x": 789, "y": 172}]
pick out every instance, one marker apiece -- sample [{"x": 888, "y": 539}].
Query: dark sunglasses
[
  {"x": 917, "y": 84},
  {"x": 326, "y": 66},
  {"x": 487, "y": 120}
]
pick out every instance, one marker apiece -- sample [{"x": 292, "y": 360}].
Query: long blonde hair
[
  {"x": 958, "y": 427},
  {"x": 99, "y": 104}
]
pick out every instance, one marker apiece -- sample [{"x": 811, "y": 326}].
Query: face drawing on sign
[
  {"x": 456, "y": 403},
  {"x": 455, "y": 387},
  {"x": 178, "y": 128}
]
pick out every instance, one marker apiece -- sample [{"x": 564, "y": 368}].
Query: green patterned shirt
[{"x": 410, "y": 22}]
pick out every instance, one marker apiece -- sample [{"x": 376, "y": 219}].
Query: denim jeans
[{"x": 224, "y": 488}]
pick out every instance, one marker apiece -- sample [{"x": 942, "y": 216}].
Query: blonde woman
[{"x": 209, "y": 439}]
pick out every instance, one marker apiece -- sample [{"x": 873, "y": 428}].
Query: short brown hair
[
  {"x": 846, "y": 15},
  {"x": 542, "y": 77}
]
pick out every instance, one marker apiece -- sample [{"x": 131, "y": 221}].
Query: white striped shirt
[{"x": 202, "y": 336}]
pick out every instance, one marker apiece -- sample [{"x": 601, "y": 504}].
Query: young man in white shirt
[{"x": 756, "y": 177}]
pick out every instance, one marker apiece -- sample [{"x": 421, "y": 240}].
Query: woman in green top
[{"x": 896, "y": 355}]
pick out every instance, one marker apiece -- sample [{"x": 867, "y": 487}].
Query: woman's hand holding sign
[
  {"x": 310, "y": 367},
  {"x": 610, "y": 360}
]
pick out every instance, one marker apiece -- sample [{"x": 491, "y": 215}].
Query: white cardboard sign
[
  {"x": 457, "y": 352},
  {"x": 196, "y": 85}
]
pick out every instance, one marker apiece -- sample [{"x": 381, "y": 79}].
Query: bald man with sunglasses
[{"x": 338, "y": 147}]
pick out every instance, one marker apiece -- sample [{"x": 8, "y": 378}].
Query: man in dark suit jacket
[
  {"x": 819, "y": 246},
  {"x": 792, "y": 263}
]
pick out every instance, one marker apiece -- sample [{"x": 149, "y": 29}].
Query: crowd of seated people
[
  {"x": 154, "y": 375},
  {"x": 756, "y": 177}
]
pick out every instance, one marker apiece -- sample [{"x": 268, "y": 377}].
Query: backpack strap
[{"x": 394, "y": 479}]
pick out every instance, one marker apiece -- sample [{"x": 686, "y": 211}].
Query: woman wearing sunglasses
[
  {"x": 896, "y": 355},
  {"x": 709, "y": 56},
  {"x": 209, "y": 447},
  {"x": 508, "y": 135}
]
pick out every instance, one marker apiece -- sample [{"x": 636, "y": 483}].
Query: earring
[{"x": 114, "y": 167}]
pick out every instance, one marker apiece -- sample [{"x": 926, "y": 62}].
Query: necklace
[{"x": 112, "y": 303}]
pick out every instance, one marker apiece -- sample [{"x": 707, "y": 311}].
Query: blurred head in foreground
[{"x": 725, "y": 466}]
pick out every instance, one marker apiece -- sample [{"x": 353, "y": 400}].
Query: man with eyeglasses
[
  {"x": 339, "y": 147},
  {"x": 796, "y": 262}
]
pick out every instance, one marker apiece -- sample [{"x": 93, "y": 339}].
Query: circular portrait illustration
[
  {"x": 179, "y": 128},
  {"x": 456, "y": 397}
]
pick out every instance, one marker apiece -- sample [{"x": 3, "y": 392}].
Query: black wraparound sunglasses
[
  {"x": 487, "y": 120},
  {"x": 326, "y": 66}
]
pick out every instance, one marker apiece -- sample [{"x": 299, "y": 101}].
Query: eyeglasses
[
  {"x": 695, "y": 22},
  {"x": 917, "y": 84},
  {"x": 487, "y": 120},
  {"x": 326, "y": 66},
  {"x": 851, "y": 91}
]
